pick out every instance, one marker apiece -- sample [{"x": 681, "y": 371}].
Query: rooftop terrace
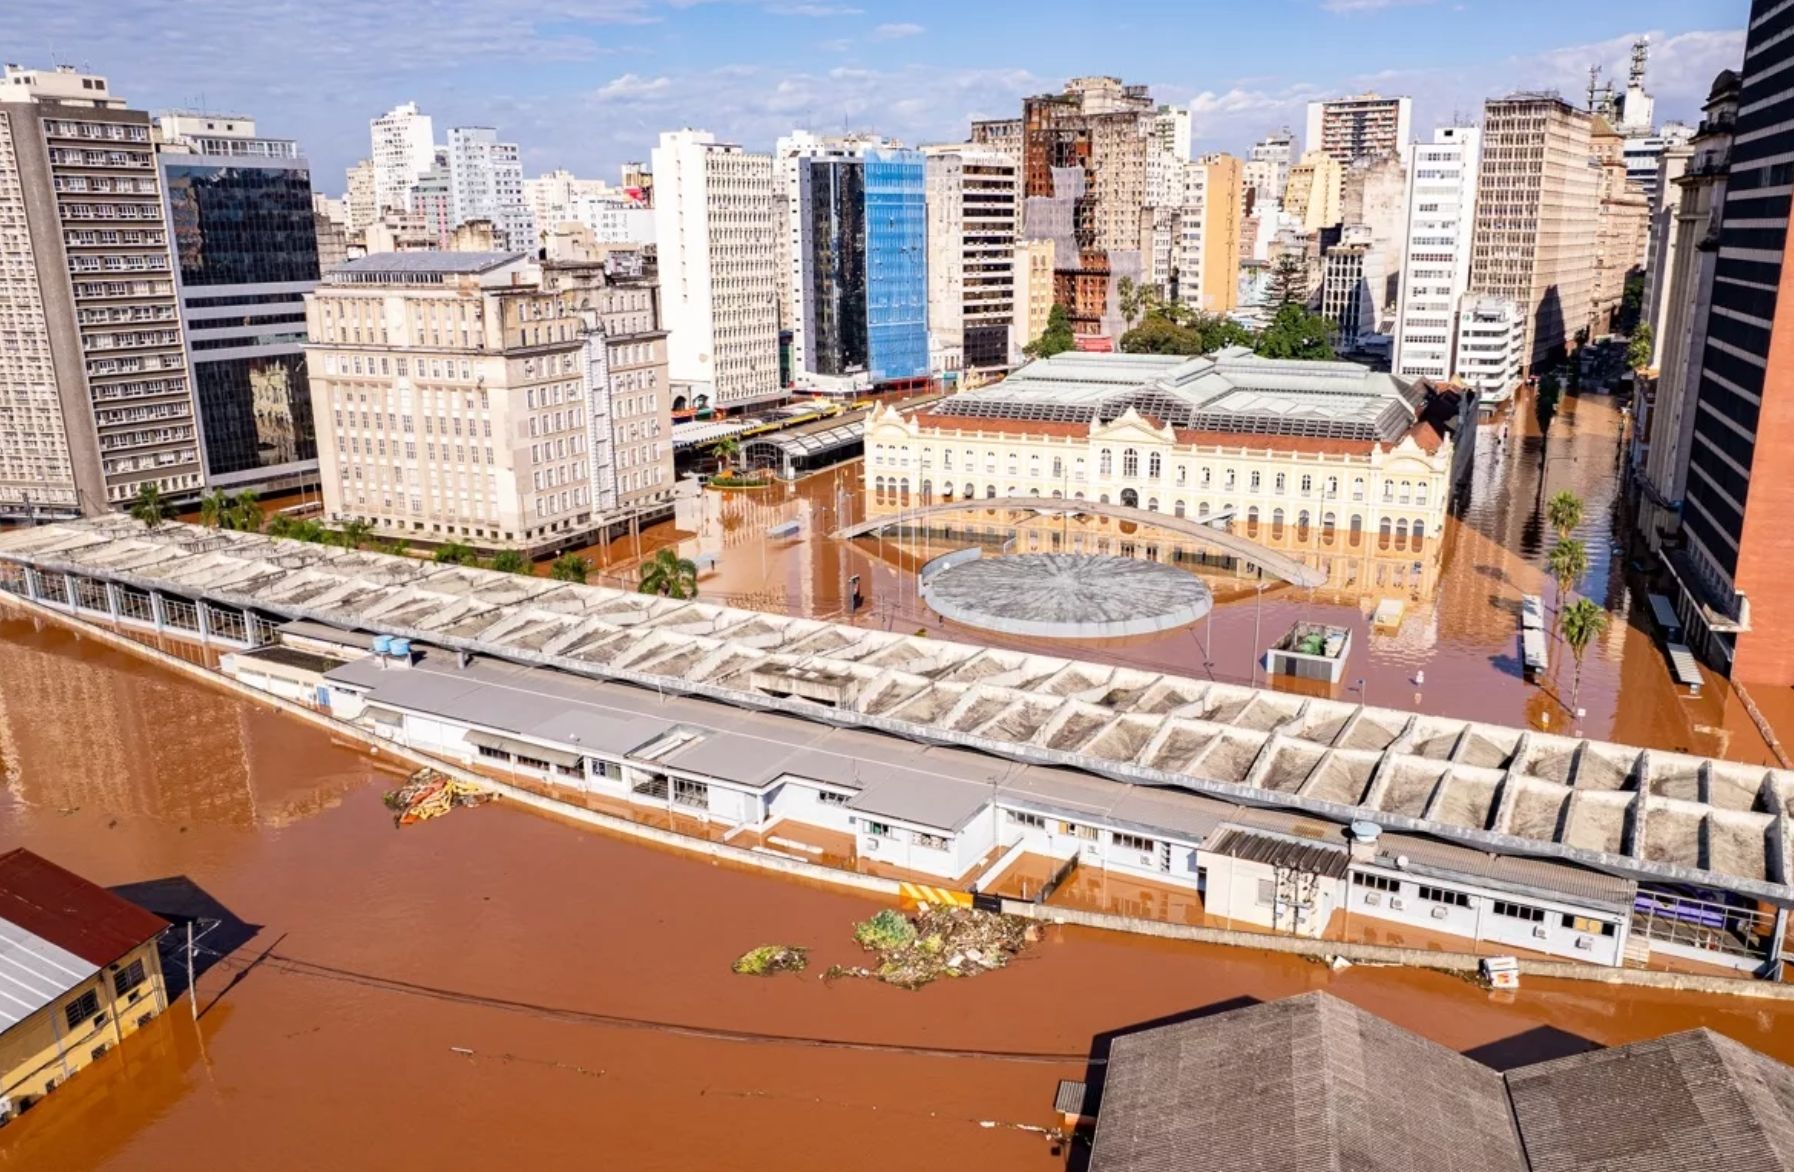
[{"x": 1640, "y": 813}]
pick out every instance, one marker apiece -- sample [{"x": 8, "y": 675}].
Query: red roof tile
[{"x": 68, "y": 911}]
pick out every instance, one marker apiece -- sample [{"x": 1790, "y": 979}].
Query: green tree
[
  {"x": 1583, "y": 623},
  {"x": 1640, "y": 349},
  {"x": 397, "y": 547},
  {"x": 1564, "y": 511},
  {"x": 149, "y": 506},
  {"x": 355, "y": 533},
  {"x": 1568, "y": 562},
  {"x": 456, "y": 553},
  {"x": 668, "y": 574},
  {"x": 1134, "y": 299},
  {"x": 280, "y": 526},
  {"x": 1172, "y": 331},
  {"x": 726, "y": 450},
  {"x": 1289, "y": 280},
  {"x": 1544, "y": 405},
  {"x": 1296, "y": 333},
  {"x": 310, "y": 531},
  {"x": 246, "y": 512},
  {"x": 509, "y": 561},
  {"x": 1058, "y": 337},
  {"x": 215, "y": 509},
  {"x": 570, "y": 567}
]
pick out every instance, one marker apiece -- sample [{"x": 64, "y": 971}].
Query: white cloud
[
  {"x": 817, "y": 10},
  {"x": 1349, "y": 6},
  {"x": 892, "y": 32}
]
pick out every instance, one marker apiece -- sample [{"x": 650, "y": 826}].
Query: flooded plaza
[{"x": 499, "y": 988}]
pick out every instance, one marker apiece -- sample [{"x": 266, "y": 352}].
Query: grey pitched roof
[
  {"x": 1306, "y": 1083},
  {"x": 428, "y": 262},
  {"x": 1691, "y": 1102}
]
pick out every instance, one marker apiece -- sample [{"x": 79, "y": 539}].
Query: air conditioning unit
[
  {"x": 871, "y": 844},
  {"x": 1539, "y": 932},
  {"x": 1148, "y": 861},
  {"x": 1373, "y": 898},
  {"x": 1395, "y": 903},
  {"x": 1439, "y": 913},
  {"x": 1584, "y": 942}
]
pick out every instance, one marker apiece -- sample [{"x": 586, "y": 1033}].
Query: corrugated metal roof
[
  {"x": 69, "y": 911},
  {"x": 1293, "y": 854},
  {"x": 428, "y": 262},
  {"x": 34, "y": 972}
]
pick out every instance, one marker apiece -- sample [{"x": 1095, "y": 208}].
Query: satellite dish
[{"x": 1401, "y": 862}]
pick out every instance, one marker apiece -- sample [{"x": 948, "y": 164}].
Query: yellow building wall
[
  {"x": 1221, "y": 246},
  {"x": 42, "y": 1052}
]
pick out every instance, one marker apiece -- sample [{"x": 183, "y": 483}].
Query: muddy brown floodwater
[{"x": 331, "y": 1037}]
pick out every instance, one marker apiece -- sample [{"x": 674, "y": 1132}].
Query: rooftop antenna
[
  {"x": 1594, "y": 82},
  {"x": 1641, "y": 49}
]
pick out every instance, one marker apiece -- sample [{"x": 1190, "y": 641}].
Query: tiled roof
[
  {"x": 68, "y": 911},
  {"x": 1306, "y": 1084}
]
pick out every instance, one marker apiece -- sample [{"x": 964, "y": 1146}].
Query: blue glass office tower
[{"x": 896, "y": 264}]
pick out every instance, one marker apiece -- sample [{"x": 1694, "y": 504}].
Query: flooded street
[{"x": 587, "y": 976}]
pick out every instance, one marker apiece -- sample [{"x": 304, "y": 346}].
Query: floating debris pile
[
  {"x": 772, "y": 959},
  {"x": 430, "y": 793},
  {"x": 937, "y": 942}
]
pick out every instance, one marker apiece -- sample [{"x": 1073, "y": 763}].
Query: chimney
[{"x": 1364, "y": 841}]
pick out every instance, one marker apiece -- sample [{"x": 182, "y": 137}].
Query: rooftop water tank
[
  {"x": 401, "y": 648},
  {"x": 382, "y": 644}
]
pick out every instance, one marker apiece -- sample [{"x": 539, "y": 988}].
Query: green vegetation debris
[
  {"x": 935, "y": 943},
  {"x": 770, "y": 959}
]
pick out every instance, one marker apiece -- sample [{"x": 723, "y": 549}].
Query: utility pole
[{"x": 192, "y": 993}]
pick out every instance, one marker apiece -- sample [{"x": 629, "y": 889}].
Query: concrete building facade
[
  {"x": 1358, "y": 127},
  {"x": 1622, "y": 234},
  {"x": 1195, "y": 237},
  {"x": 1490, "y": 348},
  {"x": 95, "y": 397},
  {"x": 1268, "y": 164},
  {"x": 1538, "y": 209},
  {"x": 358, "y": 199},
  {"x": 974, "y": 212},
  {"x": 1034, "y": 287},
  {"x": 486, "y": 183},
  {"x": 716, "y": 232},
  {"x": 1435, "y": 266},
  {"x": 404, "y": 147},
  {"x": 1315, "y": 191}
]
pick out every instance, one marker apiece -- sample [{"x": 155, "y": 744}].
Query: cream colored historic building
[{"x": 1307, "y": 445}]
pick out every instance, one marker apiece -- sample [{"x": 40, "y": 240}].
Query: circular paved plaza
[{"x": 1067, "y": 596}]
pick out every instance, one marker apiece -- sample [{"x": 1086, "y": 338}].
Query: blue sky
[{"x": 588, "y": 84}]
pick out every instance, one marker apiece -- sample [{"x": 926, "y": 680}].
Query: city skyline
[{"x": 588, "y": 84}]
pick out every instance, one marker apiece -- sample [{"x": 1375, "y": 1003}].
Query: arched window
[
  {"x": 1401, "y": 530},
  {"x": 1012, "y": 463},
  {"x": 1254, "y": 481},
  {"x": 1077, "y": 496},
  {"x": 970, "y": 491},
  {"x": 1033, "y": 492},
  {"x": 1206, "y": 478},
  {"x": 1328, "y": 523},
  {"x": 927, "y": 492},
  {"x": 1307, "y": 484},
  {"x": 1177, "y": 510},
  {"x": 878, "y": 485},
  {"x": 990, "y": 492},
  {"x": 903, "y": 491},
  {"x": 1077, "y": 468},
  {"x": 946, "y": 459},
  {"x": 1358, "y": 488},
  {"x": 1130, "y": 498},
  {"x": 1103, "y": 499},
  {"x": 1407, "y": 491},
  {"x": 1183, "y": 475},
  {"x": 1357, "y": 522},
  {"x": 1302, "y": 519},
  {"x": 1152, "y": 505},
  {"x": 1058, "y": 467},
  {"x": 1389, "y": 492},
  {"x": 903, "y": 459},
  {"x": 1105, "y": 463},
  {"x": 990, "y": 461},
  {"x": 1058, "y": 495},
  {"x": 1332, "y": 486},
  {"x": 1420, "y": 493},
  {"x": 1033, "y": 467},
  {"x": 1227, "y": 480},
  {"x": 1280, "y": 483},
  {"x": 1277, "y": 522},
  {"x": 1202, "y": 508},
  {"x": 947, "y": 493},
  {"x": 1252, "y": 515},
  {"x": 971, "y": 460},
  {"x": 1130, "y": 463},
  {"x": 1419, "y": 532},
  {"x": 1154, "y": 466}
]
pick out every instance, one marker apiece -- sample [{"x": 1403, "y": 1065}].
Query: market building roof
[
  {"x": 56, "y": 931},
  {"x": 1233, "y": 392}
]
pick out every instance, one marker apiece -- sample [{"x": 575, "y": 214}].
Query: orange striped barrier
[{"x": 915, "y": 893}]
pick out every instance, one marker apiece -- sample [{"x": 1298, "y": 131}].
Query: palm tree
[
  {"x": 1583, "y": 623},
  {"x": 509, "y": 561},
  {"x": 456, "y": 553},
  {"x": 247, "y": 512},
  {"x": 570, "y": 567},
  {"x": 1568, "y": 563},
  {"x": 355, "y": 533},
  {"x": 215, "y": 509},
  {"x": 668, "y": 574},
  {"x": 281, "y": 526},
  {"x": 149, "y": 507},
  {"x": 1564, "y": 511},
  {"x": 726, "y": 450}
]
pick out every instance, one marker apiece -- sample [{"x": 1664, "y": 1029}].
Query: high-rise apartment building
[
  {"x": 974, "y": 209},
  {"x": 1268, "y": 164},
  {"x": 1003, "y": 135},
  {"x": 1167, "y": 150},
  {"x": 788, "y": 201},
  {"x": 1491, "y": 340},
  {"x": 1680, "y": 300},
  {"x": 239, "y": 209},
  {"x": 1195, "y": 255},
  {"x": 486, "y": 183},
  {"x": 1737, "y": 557},
  {"x": 1357, "y": 127},
  {"x": 1315, "y": 191},
  {"x": 94, "y": 393},
  {"x": 716, "y": 232},
  {"x": 1622, "y": 232},
  {"x": 550, "y": 197},
  {"x": 1435, "y": 272},
  {"x": 1374, "y": 196},
  {"x": 1351, "y": 287},
  {"x": 433, "y": 201},
  {"x": 404, "y": 147},
  {"x": 1538, "y": 209},
  {"x": 362, "y": 205},
  {"x": 897, "y": 264},
  {"x": 1034, "y": 288}
]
